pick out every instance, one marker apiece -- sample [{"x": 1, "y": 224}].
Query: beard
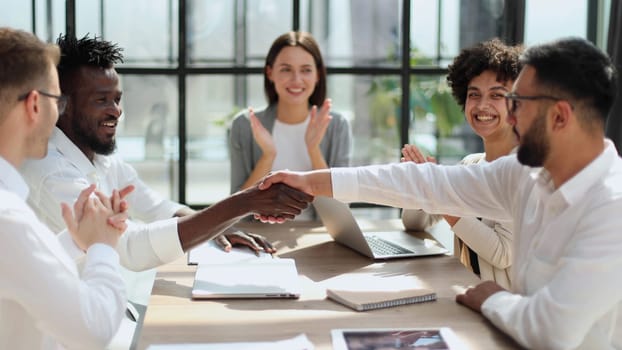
[
  {"x": 87, "y": 136},
  {"x": 534, "y": 145}
]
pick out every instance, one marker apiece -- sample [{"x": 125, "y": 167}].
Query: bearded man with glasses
[{"x": 562, "y": 190}]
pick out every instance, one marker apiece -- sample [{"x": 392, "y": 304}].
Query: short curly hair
[
  {"x": 491, "y": 55},
  {"x": 86, "y": 51}
]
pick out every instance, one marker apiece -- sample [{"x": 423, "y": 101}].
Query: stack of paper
[{"x": 300, "y": 342}]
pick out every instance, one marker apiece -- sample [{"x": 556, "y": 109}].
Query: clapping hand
[
  {"x": 96, "y": 218},
  {"x": 318, "y": 123},
  {"x": 261, "y": 135},
  {"x": 411, "y": 153}
]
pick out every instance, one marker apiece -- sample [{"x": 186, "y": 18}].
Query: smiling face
[
  {"x": 294, "y": 74},
  {"x": 94, "y": 110},
  {"x": 485, "y": 109}
]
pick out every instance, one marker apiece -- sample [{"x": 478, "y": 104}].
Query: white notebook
[{"x": 256, "y": 278}]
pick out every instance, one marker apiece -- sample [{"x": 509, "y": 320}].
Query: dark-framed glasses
[
  {"x": 512, "y": 100},
  {"x": 61, "y": 100}
]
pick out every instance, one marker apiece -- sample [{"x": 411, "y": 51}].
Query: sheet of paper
[
  {"x": 300, "y": 342},
  {"x": 258, "y": 278},
  {"x": 210, "y": 253}
]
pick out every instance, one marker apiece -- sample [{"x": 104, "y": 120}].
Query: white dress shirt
[
  {"x": 66, "y": 171},
  {"x": 566, "y": 285},
  {"x": 491, "y": 240},
  {"x": 44, "y": 302}
]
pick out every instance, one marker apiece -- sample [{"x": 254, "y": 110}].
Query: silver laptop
[
  {"x": 344, "y": 229},
  {"x": 257, "y": 278}
]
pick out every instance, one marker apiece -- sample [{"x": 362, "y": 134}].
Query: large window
[
  {"x": 191, "y": 65},
  {"x": 538, "y": 26}
]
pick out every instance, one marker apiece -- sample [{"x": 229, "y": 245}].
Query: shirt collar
[
  {"x": 576, "y": 188},
  {"x": 11, "y": 179},
  {"x": 67, "y": 148}
]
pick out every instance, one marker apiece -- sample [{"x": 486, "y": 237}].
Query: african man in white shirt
[
  {"x": 563, "y": 191},
  {"x": 82, "y": 153}
]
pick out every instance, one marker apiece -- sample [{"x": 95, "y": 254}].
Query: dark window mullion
[
  {"x": 296, "y": 15},
  {"x": 70, "y": 17},
  {"x": 592, "y": 21},
  {"x": 240, "y": 59},
  {"x": 181, "y": 84},
  {"x": 33, "y": 15},
  {"x": 405, "y": 74}
]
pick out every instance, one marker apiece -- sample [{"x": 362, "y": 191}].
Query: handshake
[{"x": 284, "y": 194}]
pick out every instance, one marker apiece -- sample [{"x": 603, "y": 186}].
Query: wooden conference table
[{"x": 173, "y": 317}]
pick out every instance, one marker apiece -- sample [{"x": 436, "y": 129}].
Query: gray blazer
[{"x": 244, "y": 152}]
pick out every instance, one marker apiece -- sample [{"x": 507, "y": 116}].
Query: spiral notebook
[
  {"x": 361, "y": 300},
  {"x": 378, "y": 285}
]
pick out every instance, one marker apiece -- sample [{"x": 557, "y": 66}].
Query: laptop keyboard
[{"x": 382, "y": 247}]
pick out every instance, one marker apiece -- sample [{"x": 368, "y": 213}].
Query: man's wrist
[{"x": 242, "y": 202}]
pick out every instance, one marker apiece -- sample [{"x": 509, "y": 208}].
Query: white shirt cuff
[
  {"x": 345, "y": 184},
  {"x": 102, "y": 252},
  {"x": 496, "y": 303},
  {"x": 164, "y": 239},
  {"x": 70, "y": 245}
]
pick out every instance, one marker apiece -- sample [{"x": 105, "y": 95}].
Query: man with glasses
[
  {"x": 82, "y": 153},
  {"x": 562, "y": 190},
  {"x": 45, "y": 302},
  {"x": 61, "y": 100}
]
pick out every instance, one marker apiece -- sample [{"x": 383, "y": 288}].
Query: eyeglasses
[
  {"x": 512, "y": 100},
  {"x": 61, "y": 100}
]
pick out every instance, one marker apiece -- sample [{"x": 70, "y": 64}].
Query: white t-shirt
[{"x": 291, "y": 152}]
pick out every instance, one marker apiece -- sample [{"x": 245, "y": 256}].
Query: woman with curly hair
[{"x": 479, "y": 77}]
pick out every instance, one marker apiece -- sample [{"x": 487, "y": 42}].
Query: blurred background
[{"x": 190, "y": 65}]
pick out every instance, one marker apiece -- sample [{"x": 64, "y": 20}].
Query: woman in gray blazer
[{"x": 297, "y": 131}]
